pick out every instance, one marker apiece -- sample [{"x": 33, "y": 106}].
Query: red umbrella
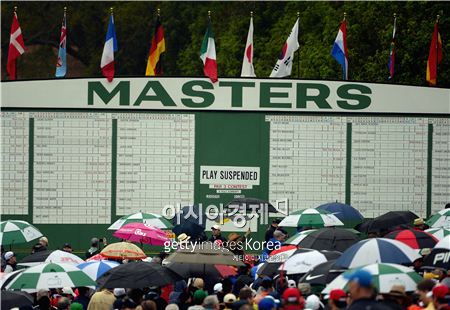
[
  {"x": 416, "y": 239},
  {"x": 143, "y": 233},
  {"x": 284, "y": 248},
  {"x": 225, "y": 270}
]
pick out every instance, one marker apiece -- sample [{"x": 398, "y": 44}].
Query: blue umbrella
[
  {"x": 96, "y": 269},
  {"x": 342, "y": 211}
]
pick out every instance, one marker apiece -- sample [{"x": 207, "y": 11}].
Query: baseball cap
[
  {"x": 440, "y": 291},
  {"x": 276, "y": 221},
  {"x": 337, "y": 295},
  {"x": 200, "y": 295},
  {"x": 229, "y": 298},
  {"x": 360, "y": 276},
  {"x": 419, "y": 221},
  {"x": 291, "y": 283},
  {"x": 216, "y": 227},
  {"x": 9, "y": 255},
  {"x": 44, "y": 239},
  {"x": 291, "y": 294},
  {"x": 305, "y": 288},
  {"x": 67, "y": 245},
  {"x": 267, "y": 303},
  {"x": 119, "y": 292},
  {"x": 218, "y": 287}
]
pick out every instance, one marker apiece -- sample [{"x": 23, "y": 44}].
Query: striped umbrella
[
  {"x": 298, "y": 237},
  {"x": 377, "y": 250},
  {"x": 440, "y": 219},
  {"x": 384, "y": 277},
  {"x": 96, "y": 269},
  {"x": 310, "y": 218},
  {"x": 13, "y": 231},
  {"x": 140, "y": 217},
  {"x": 439, "y": 233},
  {"x": 50, "y": 275},
  {"x": 416, "y": 239}
]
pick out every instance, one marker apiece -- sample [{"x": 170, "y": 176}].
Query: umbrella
[
  {"x": 137, "y": 275},
  {"x": 416, "y": 239},
  {"x": 310, "y": 218},
  {"x": 13, "y": 231},
  {"x": 439, "y": 256},
  {"x": 298, "y": 237},
  {"x": 439, "y": 232},
  {"x": 96, "y": 257},
  {"x": 322, "y": 274},
  {"x": 215, "y": 272},
  {"x": 191, "y": 220},
  {"x": 388, "y": 221},
  {"x": 377, "y": 250},
  {"x": 48, "y": 256},
  {"x": 96, "y": 269},
  {"x": 50, "y": 275},
  {"x": 123, "y": 250},
  {"x": 11, "y": 300},
  {"x": 143, "y": 233},
  {"x": 140, "y": 217},
  {"x": 304, "y": 259},
  {"x": 344, "y": 212},
  {"x": 440, "y": 219},
  {"x": 337, "y": 239},
  {"x": 384, "y": 277},
  {"x": 252, "y": 205},
  {"x": 206, "y": 253},
  {"x": 284, "y": 250},
  {"x": 6, "y": 278}
]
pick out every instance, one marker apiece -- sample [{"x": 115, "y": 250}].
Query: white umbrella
[
  {"x": 304, "y": 261},
  {"x": 439, "y": 232},
  {"x": 310, "y": 218},
  {"x": 151, "y": 219},
  {"x": 13, "y": 232},
  {"x": 440, "y": 219},
  {"x": 56, "y": 256}
]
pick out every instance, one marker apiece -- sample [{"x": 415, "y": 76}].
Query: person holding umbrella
[
  {"x": 11, "y": 262},
  {"x": 271, "y": 229},
  {"x": 217, "y": 235}
]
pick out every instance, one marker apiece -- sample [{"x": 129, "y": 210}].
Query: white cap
[
  {"x": 216, "y": 227},
  {"x": 8, "y": 255},
  {"x": 119, "y": 292},
  {"x": 291, "y": 283},
  {"x": 68, "y": 291},
  {"x": 218, "y": 287}
]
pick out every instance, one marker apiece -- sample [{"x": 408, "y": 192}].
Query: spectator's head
[
  {"x": 43, "y": 241},
  {"x": 276, "y": 222},
  {"x": 423, "y": 289},
  {"x": 94, "y": 242},
  {"x": 279, "y": 235},
  {"x": 172, "y": 307},
  {"x": 148, "y": 305},
  {"x": 439, "y": 293},
  {"x": 338, "y": 299},
  {"x": 246, "y": 293},
  {"x": 10, "y": 258},
  {"x": 216, "y": 230},
  {"x": 313, "y": 302},
  {"x": 304, "y": 288},
  {"x": 267, "y": 303},
  {"x": 291, "y": 283},
  {"x": 128, "y": 304},
  {"x": 76, "y": 306},
  {"x": 419, "y": 223},
  {"x": 67, "y": 248},
  {"x": 360, "y": 284},
  {"x": 217, "y": 288},
  {"x": 267, "y": 283},
  {"x": 229, "y": 299},
  {"x": 119, "y": 293},
  {"x": 292, "y": 296},
  {"x": 199, "y": 296},
  {"x": 211, "y": 302},
  {"x": 137, "y": 295},
  {"x": 44, "y": 302},
  {"x": 63, "y": 303},
  {"x": 198, "y": 283}
]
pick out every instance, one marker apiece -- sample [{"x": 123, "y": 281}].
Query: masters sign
[{"x": 227, "y": 94}]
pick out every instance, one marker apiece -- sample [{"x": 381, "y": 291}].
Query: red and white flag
[
  {"x": 208, "y": 54},
  {"x": 16, "y": 47},
  {"x": 247, "y": 64}
]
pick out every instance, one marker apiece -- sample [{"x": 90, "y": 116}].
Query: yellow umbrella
[{"x": 123, "y": 250}]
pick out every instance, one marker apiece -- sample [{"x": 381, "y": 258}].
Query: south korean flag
[{"x": 283, "y": 66}]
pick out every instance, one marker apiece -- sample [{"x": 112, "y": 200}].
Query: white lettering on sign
[{"x": 228, "y": 177}]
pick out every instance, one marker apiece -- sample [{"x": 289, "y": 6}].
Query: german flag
[{"x": 154, "y": 62}]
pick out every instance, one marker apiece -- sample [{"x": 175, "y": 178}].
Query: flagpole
[
  {"x": 15, "y": 62},
  {"x": 298, "y": 54},
  {"x": 437, "y": 47},
  {"x": 343, "y": 73},
  {"x": 394, "y": 33}
]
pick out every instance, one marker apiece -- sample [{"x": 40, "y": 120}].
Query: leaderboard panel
[
  {"x": 15, "y": 160},
  {"x": 440, "y": 172},
  {"x": 72, "y": 168},
  {"x": 307, "y": 159},
  {"x": 155, "y": 161}
]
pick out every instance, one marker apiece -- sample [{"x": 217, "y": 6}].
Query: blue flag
[{"x": 61, "y": 64}]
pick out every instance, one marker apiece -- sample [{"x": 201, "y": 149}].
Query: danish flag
[{"x": 16, "y": 47}]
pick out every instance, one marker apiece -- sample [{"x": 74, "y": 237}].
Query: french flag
[
  {"x": 339, "y": 51},
  {"x": 107, "y": 63}
]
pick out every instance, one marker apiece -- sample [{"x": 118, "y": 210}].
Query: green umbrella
[
  {"x": 310, "y": 218},
  {"x": 13, "y": 232},
  {"x": 140, "y": 217},
  {"x": 440, "y": 219},
  {"x": 295, "y": 239},
  {"x": 438, "y": 232},
  {"x": 384, "y": 277},
  {"x": 50, "y": 275}
]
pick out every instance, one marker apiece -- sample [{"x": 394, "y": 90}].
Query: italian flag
[{"x": 208, "y": 54}]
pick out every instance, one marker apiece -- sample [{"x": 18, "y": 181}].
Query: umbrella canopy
[
  {"x": 14, "y": 232},
  {"x": 384, "y": 276},
  {"x": 96, "y": 257},
  {"x": 439, "y": 256},
  {"x": 322, "y": 274},
  {"x": 140, "y": 217},
  {"x": 305, "y": 259},
  {"x": 250, "y": 205},
  {"x": 331, "y": 239},
  {"x": 310, "y": 218},
  {"x": 298, "y": 237},
  {"x": 137, "y": 275},
  {"x": 377, "y": 250},
  {"x": 284, "y": 250},
  {"x": 49, "y": 256},
  {"x": 416, "y": 239},
  {"x": 204, "y": 271},
  {"x": 50, "y": 275},
  {"x": 439, "y": 232},
  {"x": 96, "y": 269},
  {"x": 11, "y": 300},
  {"x": 206, "y": 253},
  {"x": 388, "y": 221},
  {"x": 344, "y": 212},
  {"x": 191, "y": 220},
  {"x": 440, "y": 219},
  {"x": 123, "y": 250},
  {"x": 143, "y": 233}
]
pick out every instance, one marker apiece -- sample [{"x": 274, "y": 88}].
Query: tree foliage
[{"x": 368, "y": 37}]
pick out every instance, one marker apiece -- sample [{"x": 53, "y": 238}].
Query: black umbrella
[
  {"x": 438, "y": 258},
  {"x": 322, "y": 274},
  {"x": 332, "y": 239},
  {"x": 11, "y": 299},
  {"x": 387, "y": 221},
  {"x": 191, "y": 220},
  {"x": 37, "y": 257},
  {"x": 250, "y": 205},
  {"x": 137, "y": 275}
]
